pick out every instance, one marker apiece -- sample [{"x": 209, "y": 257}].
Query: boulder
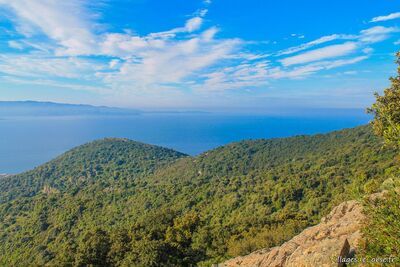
[{"x": 337, "y": 235}]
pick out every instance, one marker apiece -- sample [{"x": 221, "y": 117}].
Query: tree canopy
[
  {"x": 382, "y": 228},
  {"x": 386, "y": 111}
]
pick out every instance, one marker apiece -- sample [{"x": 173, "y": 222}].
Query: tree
[
  {"x": 120, "y": 246},
  {"x": 381, "y": 236},
  {"x": 386, "y": 110},
  {"x": 382, "y": 230},
  {"x": 94, "y": 249}
]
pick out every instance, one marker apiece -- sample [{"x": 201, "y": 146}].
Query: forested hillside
[
  {"x": 102, "y": 161},
  {"x": 120, "y": 203}
]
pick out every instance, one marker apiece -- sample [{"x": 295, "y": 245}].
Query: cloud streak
[
  {"x": 391, "y": 16},
  {"x": 321, "y": 40},
  {"x": 321, "y": 53}
]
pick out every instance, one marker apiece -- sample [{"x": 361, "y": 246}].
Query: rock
[{"x": 338, "y": 234}]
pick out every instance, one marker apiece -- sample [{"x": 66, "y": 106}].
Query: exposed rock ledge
[{"x": 320, "y": 245}]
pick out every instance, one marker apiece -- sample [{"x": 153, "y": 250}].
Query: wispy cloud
[
  {"x": 321, "y": 53},
  {"x": 61, "y": 43},
  {"x": 16, "y": 45},
  {"x": 244, "y": 75},
  {"x": 52, "y": 83},
  {"x": 306, "y": 70},
  {"x": 144, "y": 61},
  {"x": 377, "y": 34},
  {"x": 191, "y": 25},
  {"x": 391, "y": 16},
  {"x": 374, "y": 34},
  {"x": 66, "y": 22},
  {"x": 359, "y": 42},
  {"x": 41, "y": 66},
  {"x": 316, "y": 42}
]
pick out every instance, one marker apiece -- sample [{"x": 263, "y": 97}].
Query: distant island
[
  {"x": 36, "y": 108},
  {"x": 39, "y": 108}
]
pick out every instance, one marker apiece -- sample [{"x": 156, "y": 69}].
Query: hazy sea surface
[{"x": 26, "y": 142}]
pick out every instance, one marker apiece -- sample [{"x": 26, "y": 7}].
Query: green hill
[
  {"x": 102, "y": 161},
  {"x": 121, "y": 203}
]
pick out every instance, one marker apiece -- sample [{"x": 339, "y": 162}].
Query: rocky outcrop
[{"x": 338, "y": 234}]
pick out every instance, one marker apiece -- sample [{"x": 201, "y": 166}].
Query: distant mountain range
[
  {"x": 38, "y": 108},
  {"x": 35, "y": 108}
]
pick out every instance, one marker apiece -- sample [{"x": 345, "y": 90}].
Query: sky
[{"x": 240, "y": 55}]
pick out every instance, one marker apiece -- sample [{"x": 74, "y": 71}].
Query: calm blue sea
[{"x": 28, "y": 142}]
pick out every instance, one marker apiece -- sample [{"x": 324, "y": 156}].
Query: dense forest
[{"x": 115, "y": 202}]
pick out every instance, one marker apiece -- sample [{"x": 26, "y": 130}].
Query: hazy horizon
[{"x": 26, "y": 105}]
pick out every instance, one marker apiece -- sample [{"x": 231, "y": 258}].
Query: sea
[{"x": 27, "y": 142}]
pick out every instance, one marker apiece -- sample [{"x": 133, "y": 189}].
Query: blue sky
[{"x": 209, "y": 54}]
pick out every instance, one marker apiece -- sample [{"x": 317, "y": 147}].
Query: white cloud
[
  {"x": 62, "y": 21},
  {"x": 321, "y": 53},
  {"x": 246, "y": 75},
  {"x": 202, "y": 12},
  {"x": 387, "y": 17},
  {"x": 193, "y": 24},
  {"x": 376, "y": 34},
  {"x": 318, "y": 41},
  {"x": 114, "y": 63},
  {"x": 138, "y": 62},
  {"x": 397, "y": 42},
  {"x": 306, "y": 70},
  {"x": 16, "y": 45},
  {"x": 300, "y": 36},
  {"x": 256, "y": 74},
  {"x": 173, "y": 64},
  {"x": 208, "y": 35},
  {"x": 370, "y": 35},
  {"x": 359, "y": 43},
  {"x": 42, "y": 66},
  {"x": 368, "y": 50},
  {"x": 52, "y": 83},
  {"x": 350, "y": 72},
  {"x": 124, "y": 45}
]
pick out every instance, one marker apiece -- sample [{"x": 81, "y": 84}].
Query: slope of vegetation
[
  {"x": 101, "y": 161},
  {"x": 382, "y": 229},
  {"x": 121, "y": 203}
]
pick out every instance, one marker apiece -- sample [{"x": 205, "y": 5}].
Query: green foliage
[
  {"x": 93, "y": 249},
  {"x": 121, "y": 203},
  {"x": 386, "y": 110},
  {"x": 100, "y": 162},
  {"x": 382, "y": 231}
]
